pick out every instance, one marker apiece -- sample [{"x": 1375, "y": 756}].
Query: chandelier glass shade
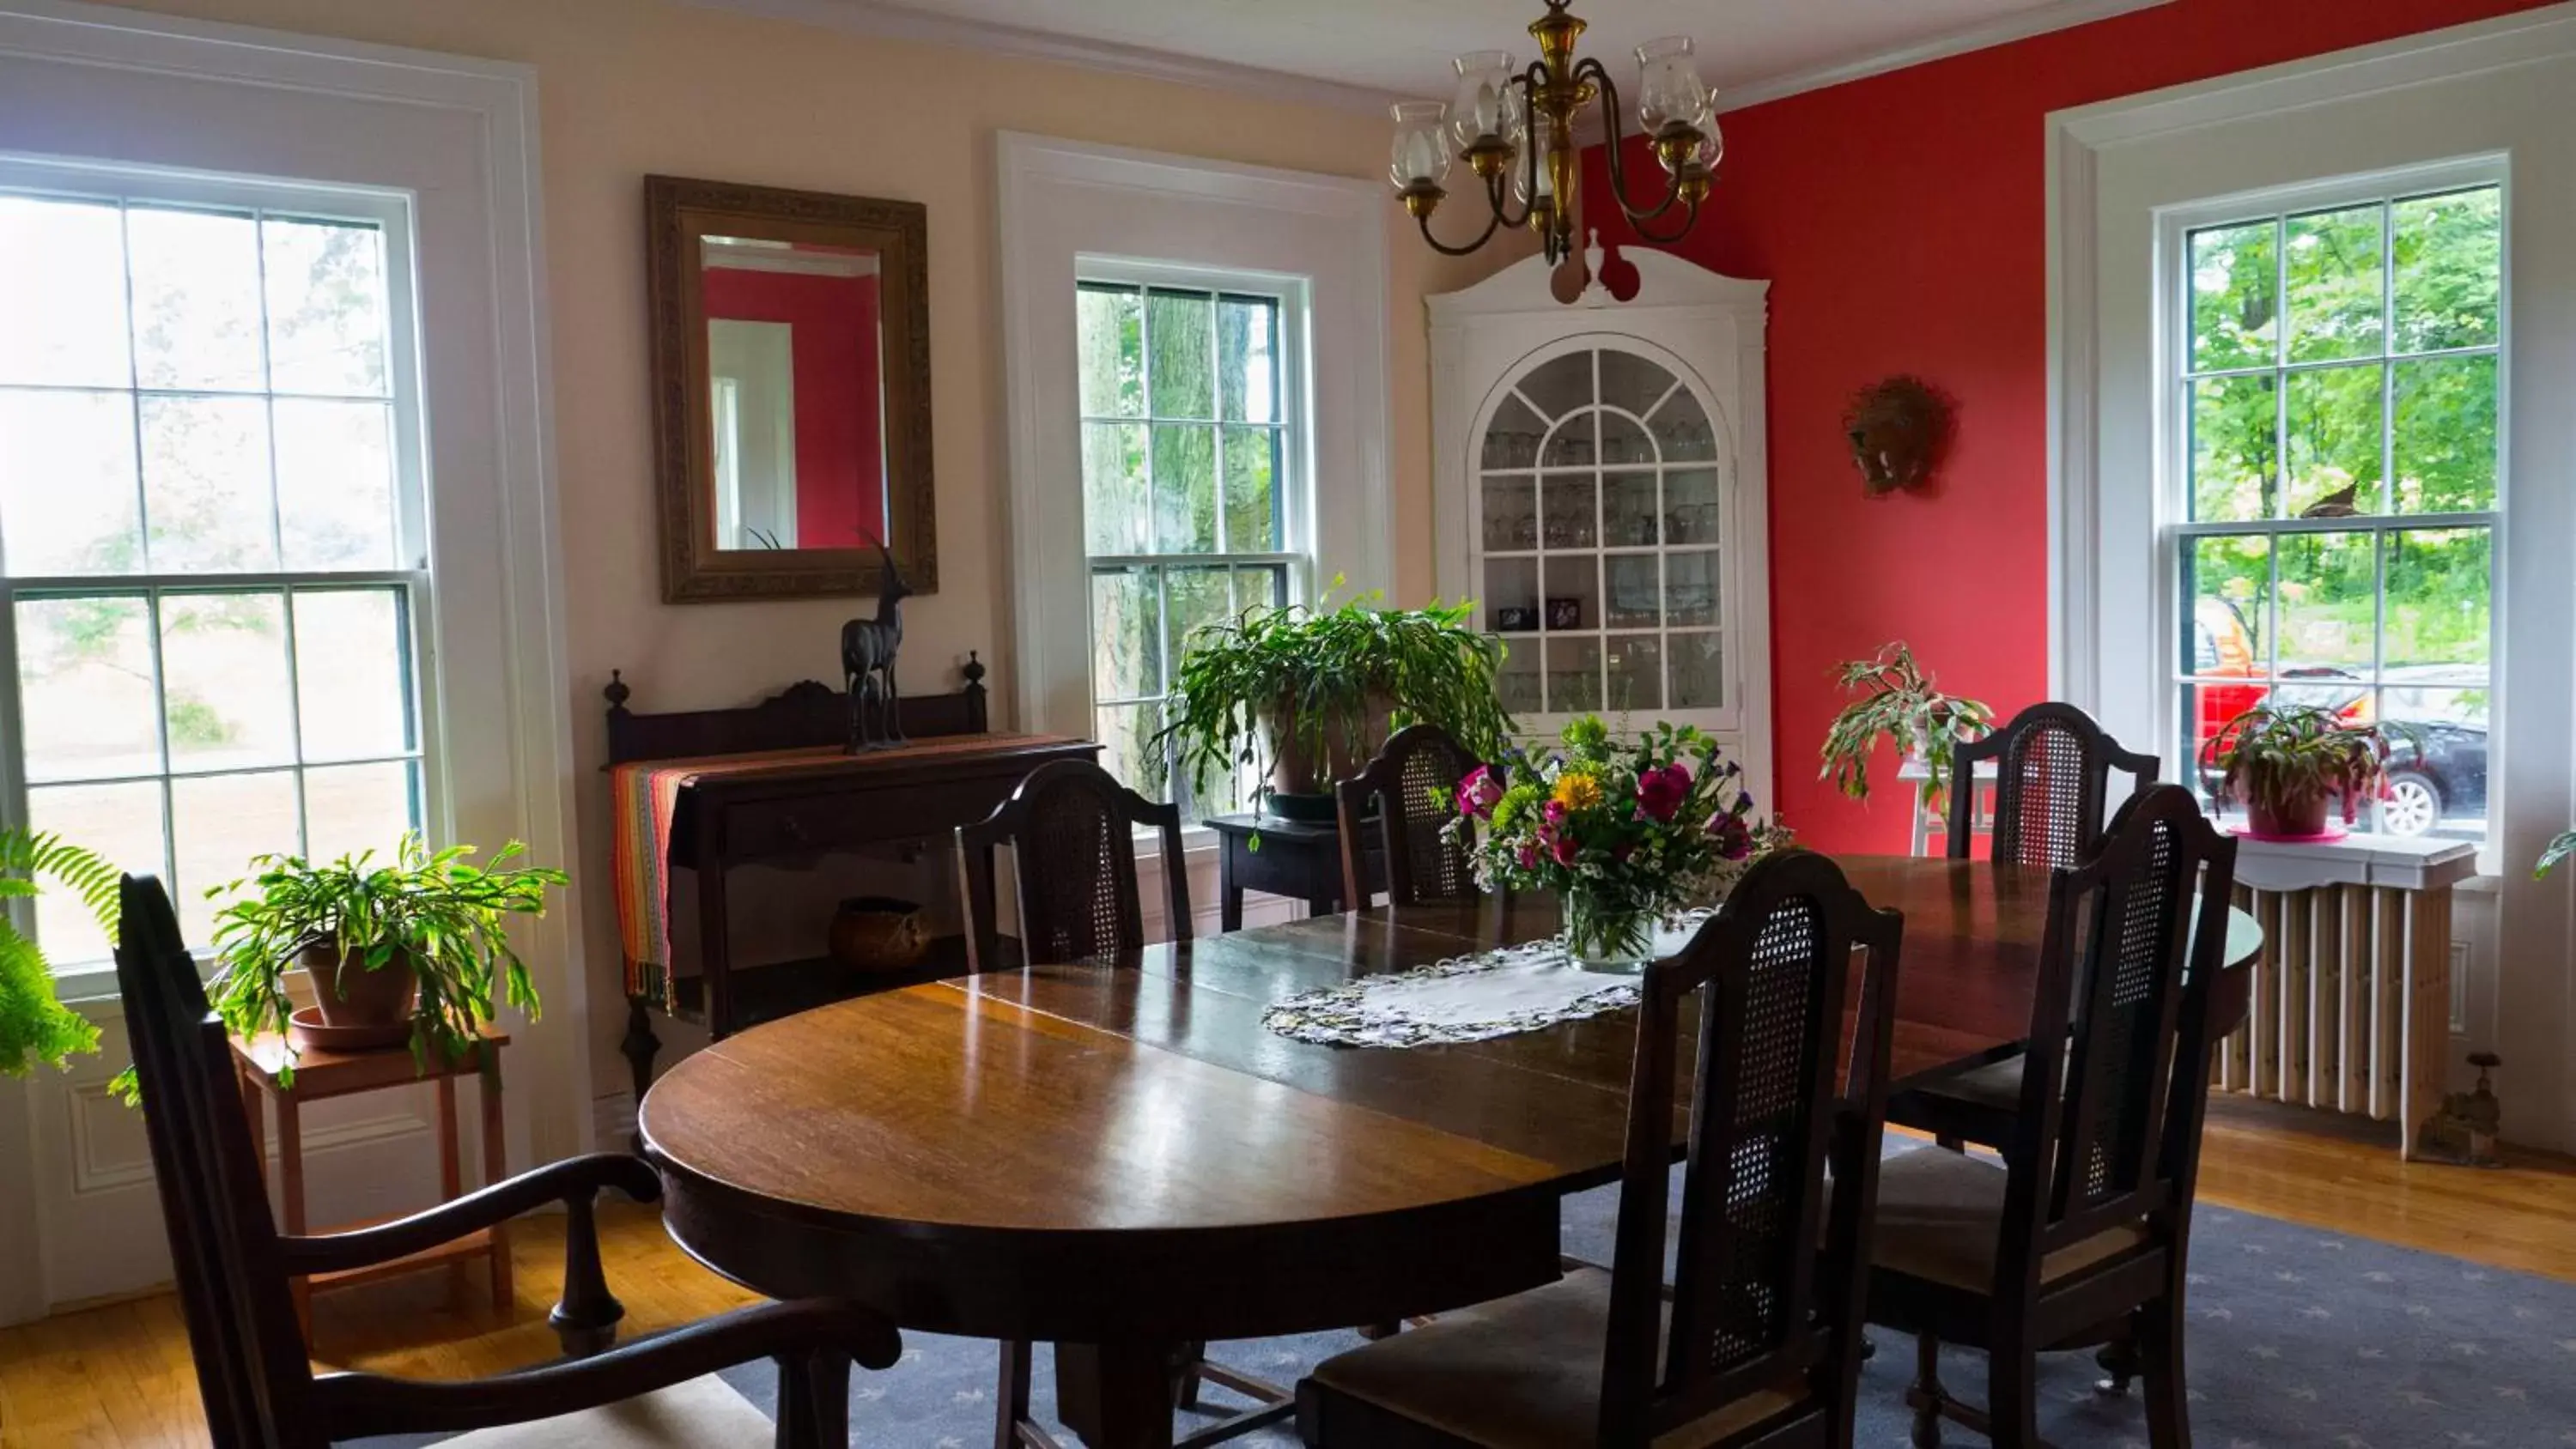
[{"x": 1515, "y": 128}]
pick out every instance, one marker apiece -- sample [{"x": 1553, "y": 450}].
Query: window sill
[{"x": 87, "y": 988}]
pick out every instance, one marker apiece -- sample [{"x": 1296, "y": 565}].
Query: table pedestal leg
[{"x": 1116, "y": 1395}]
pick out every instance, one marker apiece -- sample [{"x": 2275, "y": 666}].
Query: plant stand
[
  {"x": 1296, "y": 859},
  {"x": 1928, "y": 822},
  {"x": 322, "y": 1075}
]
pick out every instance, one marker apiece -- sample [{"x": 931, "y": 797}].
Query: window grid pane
[
  {"x": 211, "y": 704},
  {"x": 1186, "y": 496},
  {"x": 2342, "y": 483}
]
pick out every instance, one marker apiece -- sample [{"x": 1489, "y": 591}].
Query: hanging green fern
[{"x": 35, "y": 1026}]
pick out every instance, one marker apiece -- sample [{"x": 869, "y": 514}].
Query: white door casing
[
  {"x": 455, "y": 140},
  {"x": 1706, "y": 329}
]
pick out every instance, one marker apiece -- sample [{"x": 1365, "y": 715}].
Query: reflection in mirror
[
  {"x": 791, "y": 391},
  {"x": 794, "y": 369}
]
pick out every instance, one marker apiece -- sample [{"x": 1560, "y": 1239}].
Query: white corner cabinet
[{"x": 1599, "y": 492}]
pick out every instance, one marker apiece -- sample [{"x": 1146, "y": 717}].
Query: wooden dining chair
[
  {"x": 1071, "y": 829},
  {"x": 1409, "y": 786},
  {"x": 2053, "y": 768},
  {"x": 232, "y": 1265},
  {"x": 1757, "y": 1341},
  {"x": 2081, "y": 1238}
]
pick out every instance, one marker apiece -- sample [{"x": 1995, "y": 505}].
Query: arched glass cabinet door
[{"x": 1598, "y": 537}]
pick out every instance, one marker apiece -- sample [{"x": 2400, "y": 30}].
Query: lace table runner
[{"x": 1467, "y": 998}]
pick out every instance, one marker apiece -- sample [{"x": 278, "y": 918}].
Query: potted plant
[
  {"x": 1624, "y": 835},
  {"x": 2288, "y": 763},
  {"x": 1893, "y": 697},
  {"x": 413, "y": 949},
  {"x": 1314, "y": 691},
  {"x": 35, "y": 1026},
  {"x": 2559, "y": 849}
]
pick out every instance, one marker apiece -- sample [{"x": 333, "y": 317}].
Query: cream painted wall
[{"x": 636, "y": 86}]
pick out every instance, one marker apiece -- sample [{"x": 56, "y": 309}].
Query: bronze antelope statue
[{"x": 868, "y": 648}]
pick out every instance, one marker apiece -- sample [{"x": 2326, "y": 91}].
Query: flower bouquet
[{"x": 1626, "y": 835}]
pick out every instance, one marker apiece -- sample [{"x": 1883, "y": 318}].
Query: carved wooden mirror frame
[{"x": 678, "y": 212}]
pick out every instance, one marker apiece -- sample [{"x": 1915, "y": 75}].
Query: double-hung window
[
  {"x": 213, "y": 563},
  {"x": 2338, "y": 392},
  {"x": 1193, "y": 485}
]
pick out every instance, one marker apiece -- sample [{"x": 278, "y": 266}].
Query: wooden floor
[{"x": 119, "y": 1377}]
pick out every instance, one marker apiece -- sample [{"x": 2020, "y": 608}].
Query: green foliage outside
[{"x": 2352, "y": 301}]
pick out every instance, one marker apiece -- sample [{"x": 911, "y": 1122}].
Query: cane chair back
[
  {"x": 1071, "y": 827},
  {"x": 2134, "y": 945},
  {"x": 1771, "y": 1281},
  {"x": 1410, "y": 784},
  {"x": 2053, "y": 767},
  {"x": 250, "y": 1355}
]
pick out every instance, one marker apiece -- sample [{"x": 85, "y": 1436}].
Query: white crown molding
[
  {"x": 2043, "y": 21},
  {"x": 2525, "y": 37},
  {"x": 896, "y": 22}
]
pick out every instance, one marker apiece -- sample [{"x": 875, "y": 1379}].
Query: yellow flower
[{"x": 1577, "y": 791}]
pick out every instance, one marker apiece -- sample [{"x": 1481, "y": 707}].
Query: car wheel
[{"x": 2413, "y": 806}]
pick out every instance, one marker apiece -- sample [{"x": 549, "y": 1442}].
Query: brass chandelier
[{"x": 1516, "y": 129}]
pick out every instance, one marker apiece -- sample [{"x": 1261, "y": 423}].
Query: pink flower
[
  {"x": 1554, "y": 810},
  {"x": 1478, "y": 793},
  {"x": 1563, "y": 847},
  {"x": 1529, "y": 857},
  {"x": 1660, "y": 791},
  {"x": 1734, "y": 837}
]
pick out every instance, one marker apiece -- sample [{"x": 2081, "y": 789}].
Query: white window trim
[
  {"x": 2476, "y": 91},
  {"x": 1066, "y": 210},
  {"x": 497, "y": 538}
]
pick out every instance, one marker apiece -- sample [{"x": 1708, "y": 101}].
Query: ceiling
[{"x": 1369, "y": 50}]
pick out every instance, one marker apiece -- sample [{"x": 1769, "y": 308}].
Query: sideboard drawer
[{"x": 788, "y": 827}]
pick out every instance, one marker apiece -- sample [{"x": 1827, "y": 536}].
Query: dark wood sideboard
[{"x": 796, "y": 810}]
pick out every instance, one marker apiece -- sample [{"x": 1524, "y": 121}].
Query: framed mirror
[{"x": 791, "y": 390}]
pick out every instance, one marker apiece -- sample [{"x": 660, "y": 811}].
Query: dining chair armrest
[
  {"x": 356, "y": 1405},
  {"x": 573, "y": 1179},
  {"x": 585, "y": 1319}
]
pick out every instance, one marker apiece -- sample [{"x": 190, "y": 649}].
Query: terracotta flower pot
[
  {"x": 2298, "y": 816},
  {"x": 353, "y": 997},
  {"x": 1301, "y": 786}
]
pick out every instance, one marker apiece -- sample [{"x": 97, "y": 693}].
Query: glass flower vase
[{"x": 1614, "y": 938}]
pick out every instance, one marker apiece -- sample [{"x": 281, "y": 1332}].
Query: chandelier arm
[
  {"x": 1497, "y": 188},
  {"x": 1443, "y": 248},
  {"x": 1590, "y": 68},
  {"x": 1690, "y": 216}
]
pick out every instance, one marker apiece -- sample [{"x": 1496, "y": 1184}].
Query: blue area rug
[{"x": 2297, "y": 1337}]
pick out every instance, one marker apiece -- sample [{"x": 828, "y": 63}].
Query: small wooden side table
[
  {"x": 1296, "y": 859},
  {"x": 321, "y": 1075}
]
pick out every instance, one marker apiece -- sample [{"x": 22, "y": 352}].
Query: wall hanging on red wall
[{"x": 1899, "y": 430}]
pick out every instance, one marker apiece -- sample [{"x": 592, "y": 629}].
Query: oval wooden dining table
[{"x": 1115, "y": 1156}]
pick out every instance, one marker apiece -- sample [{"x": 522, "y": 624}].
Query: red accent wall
[
  {"x": 1902, "y": 223},
  {"x": 840, "y": 471}
]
